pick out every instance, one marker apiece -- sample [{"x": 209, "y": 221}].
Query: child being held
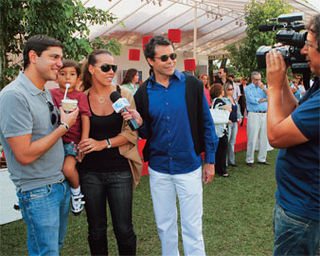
[{"x": 69, "y": 74}]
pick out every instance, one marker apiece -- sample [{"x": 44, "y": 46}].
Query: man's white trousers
[
  {"x": 257, "y": 131},
  {"x": 164, "y": 190}
]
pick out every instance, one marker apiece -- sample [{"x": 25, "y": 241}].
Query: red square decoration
[
  {"x": 189, "y": 64},
  {"x": 174, "y": 35},
  {"x": 134, "y": 54}
]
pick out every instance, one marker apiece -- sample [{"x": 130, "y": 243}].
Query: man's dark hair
[
  {"x": 225, "y": 70},
  {"x": 149, "y": 50},
  {"x": 71, "y": 63},
  {"x": 38, "y": 43},
  {"x": 314, "y": 27}
]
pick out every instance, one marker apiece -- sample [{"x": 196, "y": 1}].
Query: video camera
[{"x": 292, "y": 41}]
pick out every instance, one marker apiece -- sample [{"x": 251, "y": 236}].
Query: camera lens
[{"x": 298, "y": 39}]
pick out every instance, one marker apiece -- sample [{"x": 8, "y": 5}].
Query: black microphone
[
  {"x": 119, "y": 105},
  {"x": 270, "y": 27}
]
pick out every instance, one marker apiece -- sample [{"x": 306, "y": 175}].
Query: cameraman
[{"x": 295, "y": 128}]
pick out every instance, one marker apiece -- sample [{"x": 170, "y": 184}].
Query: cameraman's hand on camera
[
  {"x": 69, "y": 118},
  {"x": 276, "y": 70}
]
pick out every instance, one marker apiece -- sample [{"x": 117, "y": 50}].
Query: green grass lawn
[{"x": 237, "y": 217}]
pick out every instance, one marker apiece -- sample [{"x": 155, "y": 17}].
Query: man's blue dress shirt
[
  {"x": 171, "y": 145},
  {"x": 253, "y": 94}
]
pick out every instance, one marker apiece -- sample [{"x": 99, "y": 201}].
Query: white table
[{"x": 7, "y": 199}]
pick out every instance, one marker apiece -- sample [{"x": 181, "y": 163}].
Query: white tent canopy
[{"x": 207, "y": 25}]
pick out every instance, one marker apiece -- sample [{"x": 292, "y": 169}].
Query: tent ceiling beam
[
  {"x": 212, "y": 41},
  {"x": 169, "y": 21},
  {"x": 214, "y": 8},
  {"x": 222, "y": 26},
  {"x": 223, "y": 44},
  {"x": 123, "y": 19},
  {"x": 147, "y": 20}
]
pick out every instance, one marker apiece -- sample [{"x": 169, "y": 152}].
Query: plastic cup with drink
[{"x": 68, "y": 105}]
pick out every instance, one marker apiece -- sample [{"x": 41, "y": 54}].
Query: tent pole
[{"x": 195, "y": 34}]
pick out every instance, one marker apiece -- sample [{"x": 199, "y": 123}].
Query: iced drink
[{"x": 69, "y": 105}]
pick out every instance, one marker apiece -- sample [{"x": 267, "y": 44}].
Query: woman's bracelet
[{"x": 109, "y": 145}]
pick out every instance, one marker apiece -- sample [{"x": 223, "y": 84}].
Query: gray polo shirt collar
[{"x": 28, "y": 85}]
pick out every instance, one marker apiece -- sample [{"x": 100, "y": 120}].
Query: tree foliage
[
  {"x": 242, "y": 54},
  {"x": 66, "y": 20}
]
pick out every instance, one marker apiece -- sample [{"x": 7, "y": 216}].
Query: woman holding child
[{"x": 111, "y": 165}]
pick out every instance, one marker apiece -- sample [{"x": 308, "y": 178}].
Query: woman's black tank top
[{"x": 107, "y": 160}]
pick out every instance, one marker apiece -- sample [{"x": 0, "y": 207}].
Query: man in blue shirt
[
  {"x": 295, "y": 129},
  {"x": 178, "y": 127},
  {"x": 257, "y": 105}
]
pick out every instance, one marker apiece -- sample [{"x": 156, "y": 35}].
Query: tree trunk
[
  {"x": 3, "y": 46},
  {"x": 2, "y": 65}
]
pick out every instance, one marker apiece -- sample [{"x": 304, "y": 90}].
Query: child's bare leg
[{"x": 70, "y": 171}]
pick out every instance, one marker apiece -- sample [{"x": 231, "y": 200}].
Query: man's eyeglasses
[
  {"x": 107, "y": 67},
  {"x": 230, "y": 89},
  {"x": 309, "y": 44},
  {"x": 164, "y": 58}
]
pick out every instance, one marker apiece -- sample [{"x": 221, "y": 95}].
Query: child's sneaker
[
  {"x": 16, "y": 206},
  {"x": 77, "y": 203}
]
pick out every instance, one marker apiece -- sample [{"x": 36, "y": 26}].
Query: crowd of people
[{"x": 88, "y": 154}]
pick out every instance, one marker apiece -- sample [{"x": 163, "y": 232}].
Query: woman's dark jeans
[{"x": 116, "y": 188}]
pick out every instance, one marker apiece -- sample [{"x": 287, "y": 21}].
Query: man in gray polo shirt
[{"x": 31, "y": 138}]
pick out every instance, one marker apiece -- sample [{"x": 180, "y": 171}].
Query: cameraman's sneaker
[{"x": 77, "y": 203}]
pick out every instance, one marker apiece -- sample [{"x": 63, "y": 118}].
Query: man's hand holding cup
[{"x": 69, "y": 118}]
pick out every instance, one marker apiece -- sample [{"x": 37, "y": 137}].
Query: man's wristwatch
[
  {"x": 65, "y": 125},
  {"x": 109, "y": 145}
]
